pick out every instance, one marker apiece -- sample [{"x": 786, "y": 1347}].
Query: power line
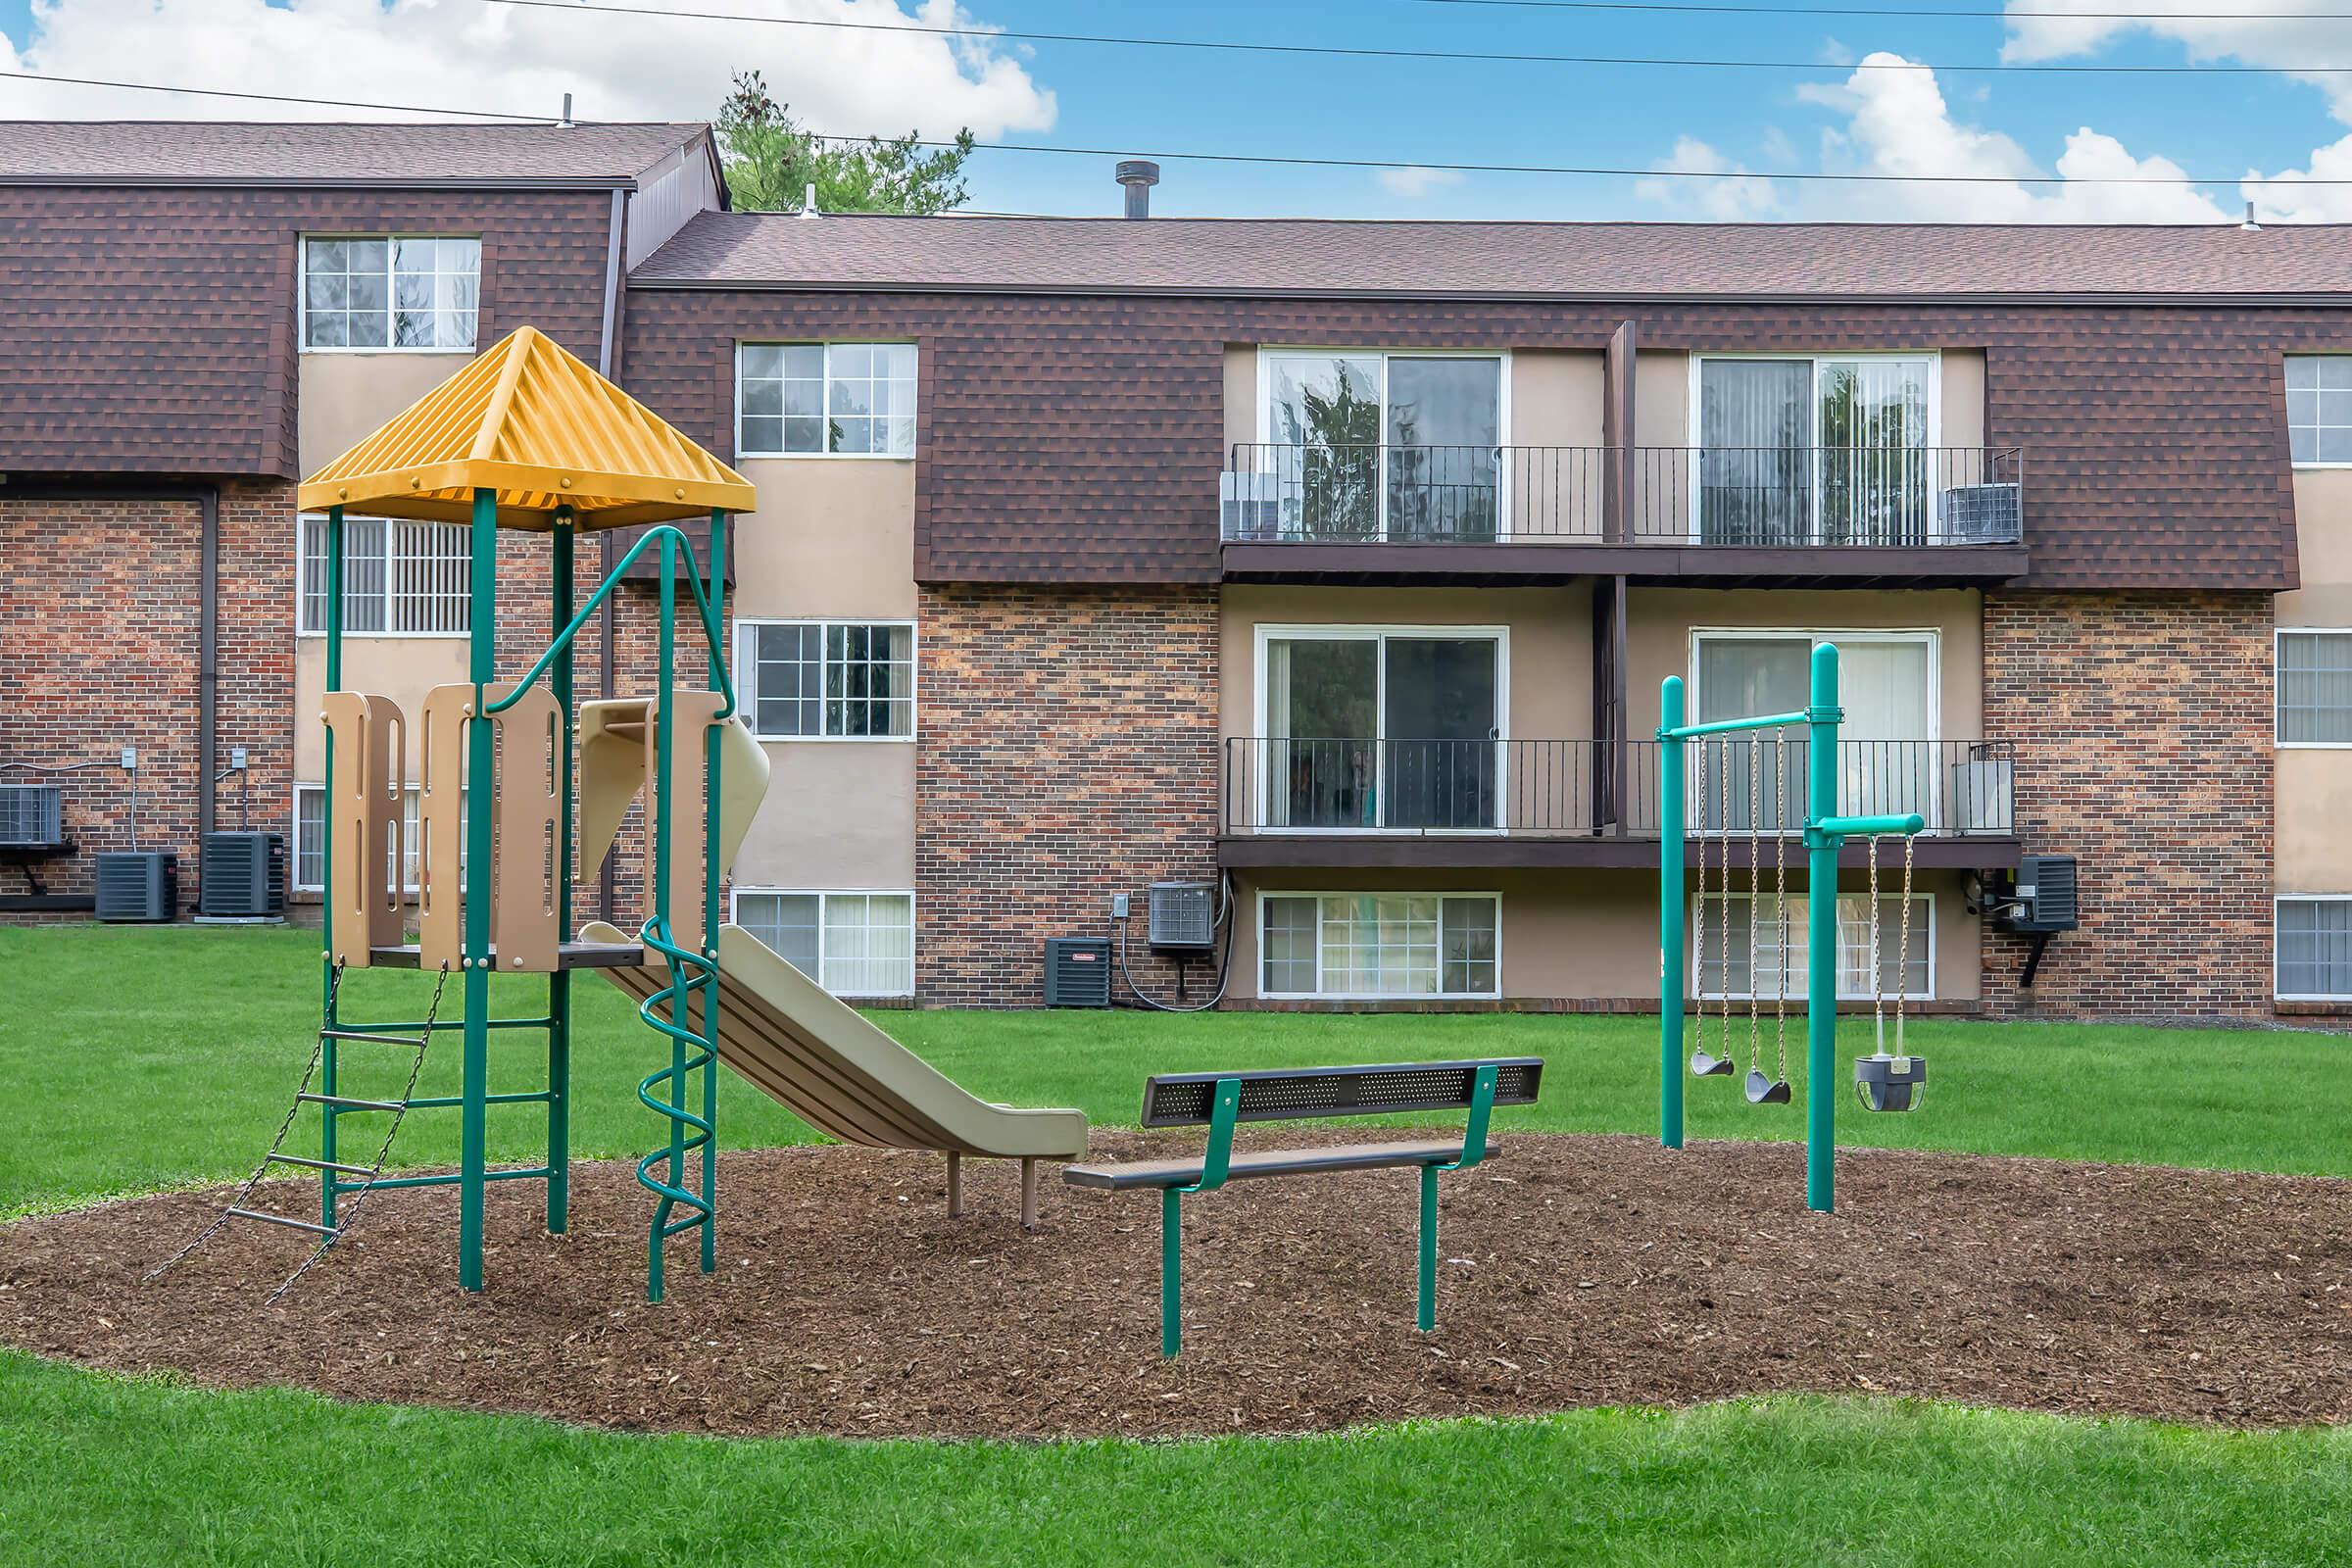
[
  {"x": 1904, "y": 10},
  {"x": 1363, "y": 52},
  {"x": 1292, "y": 161}
]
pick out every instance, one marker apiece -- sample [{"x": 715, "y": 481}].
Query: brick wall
[
  {"x": 104, "y": 596},
  {"x": 1067, "y": 746},
  {"x": 2143, "y": 723}
]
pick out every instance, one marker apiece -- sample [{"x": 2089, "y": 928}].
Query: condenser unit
[
  {"x": 30, "y": 817},
  {"x": 1183, "y": 916},
  {"x": 1984, "y": 515},
  {"x": 138, "y": 885},
  {"x": 242, "y": 877},
  {"x": 2041, "y": 900},
  {"x": 1250, "y": 506},
  {"x": 1077, "y": 971}
]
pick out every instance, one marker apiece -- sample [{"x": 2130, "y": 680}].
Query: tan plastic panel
[
  {"x": 441, "y": 824},
  {"x": 363, "y": 823},
  {"x": 524, "y": 926},
  {"x": 693, "y": 714},
  {"x": 611, "y": 774}
]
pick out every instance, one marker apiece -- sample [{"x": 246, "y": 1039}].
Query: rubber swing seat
[
  {"x": 1763, "y": 1090},
  {"x": 1705, "y": 1064}
]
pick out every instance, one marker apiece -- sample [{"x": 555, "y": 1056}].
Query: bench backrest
[{"x": 1186, "y": 1099}]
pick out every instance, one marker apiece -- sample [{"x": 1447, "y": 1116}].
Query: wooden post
[
  {"x": 1028, "y": 1194},
  {"x": 955, "y": 1185}
]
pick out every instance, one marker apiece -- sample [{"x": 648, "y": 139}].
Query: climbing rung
[
  {"x": 346, "y": 1102},
  {"x": 320, "y": 1164},
  {"x": 365, "y": 1034},
  {"x": 281, "y": 1219}
]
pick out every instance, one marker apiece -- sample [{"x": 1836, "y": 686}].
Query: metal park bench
[{"x": 1220, "y": 1099}]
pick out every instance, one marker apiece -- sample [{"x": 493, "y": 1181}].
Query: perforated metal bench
[{"x": 1219, "y": 1100}]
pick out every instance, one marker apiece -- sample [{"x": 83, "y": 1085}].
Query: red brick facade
[
  {"x": 2143, "y": 724},
  {"x": 1068, "y": 750}
]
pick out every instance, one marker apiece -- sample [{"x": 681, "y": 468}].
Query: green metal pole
[
  {"x": 712, "y": 870},
  {"x": 1821, "y": 718},
  {"x": 326, "y": 865},
  {"x": 558, "y": 984},
  {"x": 1426, "y": 1314},
  {"x": 481, "y": 781},
  {"x": 1172, "y": 1271},
  {"x": 1671, "y": 980},
  {"x": 663, "y": 730}
]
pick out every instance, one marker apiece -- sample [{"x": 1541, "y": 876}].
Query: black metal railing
[
  {"x": 1759, "y": 497},
  {"x": 1593, "y": 788}
]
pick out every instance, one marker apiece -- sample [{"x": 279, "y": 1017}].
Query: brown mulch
[{"x": 1577, "y": 1271}]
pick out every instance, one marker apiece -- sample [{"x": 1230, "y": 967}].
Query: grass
[{"x": 135, "y": 1059}]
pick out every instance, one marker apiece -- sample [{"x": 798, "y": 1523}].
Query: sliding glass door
[
  {"x": 1402, "y": 446},
  {"x": 1822, "y": 450},
  {"x": 1887, "y": 753},
  {"x": 1381, "y": 731}
]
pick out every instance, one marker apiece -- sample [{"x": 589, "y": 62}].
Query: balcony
[
  {"x": 1747, "y": 513},
  {"x": 1293, "y": 802}
]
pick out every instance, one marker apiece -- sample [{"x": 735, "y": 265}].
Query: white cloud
[
  {"x": 2284, "y": 197},
  {"x": 1412, "y": 182},
  {"x": 1737, "y": 197},
  {"x": 2305, "y": 32},
  {"x": 467, "y": 54}
]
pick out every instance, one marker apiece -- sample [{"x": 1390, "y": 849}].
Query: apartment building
[{"x": 1335, "y": 562}]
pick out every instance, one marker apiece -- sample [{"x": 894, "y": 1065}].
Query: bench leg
[
  {"x": 1028, "y": 1194},
  {"x": 1171, "y": 1272},
  {"x": 955, "y": 1186},
  {"x": 1427, "y": 1314}
]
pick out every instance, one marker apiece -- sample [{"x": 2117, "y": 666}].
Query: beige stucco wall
[
  {"x": 1548, "y": 663},
  {"x": 839, "y": 814},
  {"x": 344, "y": 397},
  {"x": 2312, "y": 789},
  {"x": 1588, "y": 935},
  {"x": 403, "y": 669},
  {"x": 1962, "y": 398},
  {"x": 1661, "y": 399}
]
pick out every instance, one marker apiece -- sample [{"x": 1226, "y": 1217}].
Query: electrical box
[
  {"x": 1077, "y": 971},
  {"x": 1183, "y": 916},
  {"x": 2041, "y": 898}
]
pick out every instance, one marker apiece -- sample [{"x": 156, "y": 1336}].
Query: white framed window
[
  {"x": 827, "y": 680},
  {"x": 824, "y": 400},
  {"x": 310, "y": 840},
  {"x": 2313, "y": 948},
  {"x": 2319, "y": 410},
  {"x": 1888, "y": 759},
  {"x": 1380, "y": 946},
  {"x": 399, "y": 579},
  {"x": 1805, "y": 449},
  {"x": 416, "y": 293},
  {"x": 1723, "y": 968},
  {"x": 852, "y": 944},
  {"x": 1386, "y": 444},
  {"x": 2313, "y": 687}
]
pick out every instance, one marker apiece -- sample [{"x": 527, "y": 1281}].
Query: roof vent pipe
[
  {"x": 2249, "y": 226},
  {"x": 809, "y": 201},
  {"x": 1138, "y": 176},
  {"x": 567, "y": 111}
]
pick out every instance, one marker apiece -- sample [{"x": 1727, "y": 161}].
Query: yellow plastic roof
[{"x": 531, "y": 421}]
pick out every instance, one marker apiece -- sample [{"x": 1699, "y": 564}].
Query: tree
[{"x": 771, "y": 161}]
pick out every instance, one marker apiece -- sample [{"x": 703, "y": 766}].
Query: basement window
[
  {"x": 1380, "y": 946},
  {"x": 852, "y": 944},
  {"x": 2314, "y": 943},
  {"x": 310, "y": 840}
]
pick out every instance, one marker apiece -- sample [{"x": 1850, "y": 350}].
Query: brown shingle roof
[
  {"x": 193, "y": 152},
  {"x": 1431, "y": 260}
]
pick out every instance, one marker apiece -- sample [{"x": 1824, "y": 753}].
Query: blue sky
[{"x": 1161, "y": 101}]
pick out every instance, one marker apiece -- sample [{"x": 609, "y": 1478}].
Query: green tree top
[{"x": 771, "y": 161}]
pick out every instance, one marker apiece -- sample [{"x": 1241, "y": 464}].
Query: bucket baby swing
[{"x": 1884, "y": 1080}]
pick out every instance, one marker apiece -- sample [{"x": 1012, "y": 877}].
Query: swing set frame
[{"x": 1825, "y": 834}]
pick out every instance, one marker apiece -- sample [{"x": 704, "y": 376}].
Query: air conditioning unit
[
  {"x": 138, "y": 885},
  {"x": 1077, "y": 971},
  {"x": 1984, "y": 515},
  {"x": 30, "y": 818},
  {"x": 1183, "y": 916},
  {"x": 1982, "y": 795},
  {"x": 2040, "y": 899},
  {"x": 1249, "y": 505},
  {"x": 242, "y": 877}
]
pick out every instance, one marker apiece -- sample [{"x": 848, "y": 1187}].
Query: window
[
  {"x": 829, "y": 679},
  {"x": 1368, "y": 729},
  {"x": 2315, "y": 948},
  {"x": 402, "y": 291},
  {"x": 309, "y": 839},
  {"x": 852, "y": 944},
  {"x": 1394, "y": 446},
  {"x": 2319, "y": 408},
  {"x": 2315, "y": 687},
  {"x": 1833, "y": 450},
  {"x": 1887, "y": 757},
  {"x": 1380, "y": 945},
  {"x": 848, "y": 399},
  {"x": 1722, "y": 961},
  {"x": 406, "y": 578}
]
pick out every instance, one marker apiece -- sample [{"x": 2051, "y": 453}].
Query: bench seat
[{"x": 1165, "y": 1173}]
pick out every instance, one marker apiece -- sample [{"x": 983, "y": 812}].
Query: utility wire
[
  {"x": 1355, "y": 52},
  {"x": 1289, "y": 160}
]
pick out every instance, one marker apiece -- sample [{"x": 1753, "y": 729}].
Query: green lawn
[{"x": 135, "y": 1059}]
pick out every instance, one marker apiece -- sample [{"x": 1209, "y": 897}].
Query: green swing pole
[
  {"x": 327, "y": 870},
  {"x": 1671, "y": 980},
  {"x": 1821, "y": 718},
  {"x": 558, "y": 984},
  {"x": 711, "y": 871},
  {"x": 480, "y": 777}
]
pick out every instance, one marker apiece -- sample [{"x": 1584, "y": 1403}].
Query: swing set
[{"x": 1884, "y": 1080}]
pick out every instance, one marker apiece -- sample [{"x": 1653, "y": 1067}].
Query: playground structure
[
  {"x": 1884, "y": 1080},
  {"x": 528, "y": 437}
]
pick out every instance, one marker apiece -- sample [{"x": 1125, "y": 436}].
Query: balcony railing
[
  {"x": 1588, "y": 789},
  {"x": 1761, "y": 497}
]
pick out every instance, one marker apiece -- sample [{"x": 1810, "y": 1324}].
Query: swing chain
[
  {"x": 1723, "y": 896},
  {"x": 1699, "y": 934},
  {"x": 1902, "y": 974},
  {"x": 1878, "y": 977},
  {"x": 1755, "y": 871},
  {"x": 1779, "y": 903}
]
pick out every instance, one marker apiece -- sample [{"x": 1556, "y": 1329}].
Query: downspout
[
  {"x": 608, "y": 357},
  {"x": 208, "y": 662}
]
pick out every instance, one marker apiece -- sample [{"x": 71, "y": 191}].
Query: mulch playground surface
[{"x": 1578, "y": 1271}]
